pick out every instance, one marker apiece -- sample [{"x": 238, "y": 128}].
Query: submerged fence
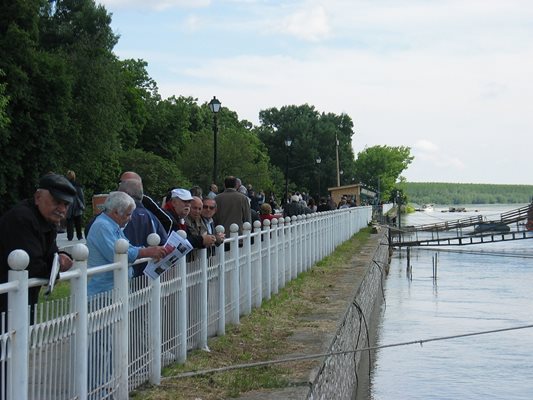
[{"x": 105, "y": 346}]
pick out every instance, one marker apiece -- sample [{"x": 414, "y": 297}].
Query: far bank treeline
[
  {"x": 67, "y": 102},
  {"x": 466, "y": 193}
]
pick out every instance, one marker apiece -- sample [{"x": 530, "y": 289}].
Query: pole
[
  {"x": 215, "y": 132},
  {"x": 287, "y": 177},
  {"x": 337, "y": 157}
]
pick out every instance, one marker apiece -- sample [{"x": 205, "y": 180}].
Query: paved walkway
[{"x": 64, "y": 244}]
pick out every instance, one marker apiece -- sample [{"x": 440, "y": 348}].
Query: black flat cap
[{"x": 58, "y": 186}]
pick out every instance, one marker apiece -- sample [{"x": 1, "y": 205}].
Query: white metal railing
[{"x": 105, "y": 346}]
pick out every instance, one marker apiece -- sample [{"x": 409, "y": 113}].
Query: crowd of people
[{"x": 130, "y": 214}]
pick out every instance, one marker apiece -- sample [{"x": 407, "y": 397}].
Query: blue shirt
[{"x": 101, "y": 243}]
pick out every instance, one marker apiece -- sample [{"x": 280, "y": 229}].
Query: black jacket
[{"x": 23, "y": 227}]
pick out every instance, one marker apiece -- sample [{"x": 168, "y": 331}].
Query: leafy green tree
[
  {"x": 167, "y": 127},
  {"x": 313, "y": 136},
  {"x": 158, "y": 174},
  {"x": 37, "y": 86},
  {"x": 140, "y": 95},
  {"x": 80, "y": 32},
  {"x": 379, "y": 167},
  {"x": 239, "y": 151}
]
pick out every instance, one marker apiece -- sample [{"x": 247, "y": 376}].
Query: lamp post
[
  {"x": 214, "y": 105},
  {"x": 318, "y": 161},
  {"x": 337, "y": 154},
  {"x": 288, "y": 142}
]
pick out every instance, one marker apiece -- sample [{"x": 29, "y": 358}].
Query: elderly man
[
  {"x": 209, "y": 209},
  {"x": 32, "y": 225},
  {"x": 150, "y": 204},
  {"x": 142, "y": 222},
  {"x": 181, "y": 207},
  {"x": 104, "y": 232}
]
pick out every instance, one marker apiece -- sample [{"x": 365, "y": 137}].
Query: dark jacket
[{"x": 23, "y": 227}]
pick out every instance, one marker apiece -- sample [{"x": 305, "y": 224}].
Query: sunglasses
[{"x": 209, "y": 207}]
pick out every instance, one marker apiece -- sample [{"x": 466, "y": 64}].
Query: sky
[{"x": 451, "y": 79}]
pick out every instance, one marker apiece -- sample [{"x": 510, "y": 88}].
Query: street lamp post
[
  {"x": 214, "y": 105},
  {"x": 318, "y": 161},
  {"x": 288, "y": 142}
]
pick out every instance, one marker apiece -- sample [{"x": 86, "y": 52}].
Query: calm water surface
[{"x": 472, "y": 292}]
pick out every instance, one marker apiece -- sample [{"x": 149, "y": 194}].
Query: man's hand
[
  {"x": 65, "y": 262},
  {"x": 156, "y": 252},
  {"x": 209, "y": 240}
]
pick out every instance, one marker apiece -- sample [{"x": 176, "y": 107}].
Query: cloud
[{"x": 309, "y": 24}]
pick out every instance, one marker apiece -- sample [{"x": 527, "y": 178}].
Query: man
[
  {"x": 104, "y": 232},
  {"x": 209, "y": 209},
  {"x": 295, "y": 207},
  {"x": 213, "y": 191},
  {"x": 232, "y": 206},
  {"x": 151, "y": 205},
  {"x": 181, "y": 207},
  {"x": 31, "y": 226},
  {"x": 142, "y": 222}
]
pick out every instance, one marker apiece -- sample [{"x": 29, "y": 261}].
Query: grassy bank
[{"x": 260, "y": 336}]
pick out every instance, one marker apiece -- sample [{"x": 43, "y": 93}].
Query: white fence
[{"x": 105, "y": 346}]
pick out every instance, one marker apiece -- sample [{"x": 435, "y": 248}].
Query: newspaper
[
  {"x": 176, "y": 247},
  {"x": 53, "y": 275}
]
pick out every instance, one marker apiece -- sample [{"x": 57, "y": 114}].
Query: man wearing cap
[
  {"x": 31, "y": 225},
  {"x": 180, "y": 208}
]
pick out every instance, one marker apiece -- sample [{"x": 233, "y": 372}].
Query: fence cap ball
[
  {"x": 266, "y": 222},
  {"x": 182, "y": 233},
  {"x": 80, "y": 252},
  {"x": 219, "y": 229},
  {"x": 247, "y": 226},
  {"x": 257, "y": 224},
  {"x": 18, "y": 260},
  {"x": 234, "y": 228},
  {"x": 121, "y": 246},
  {"x": 153, "y": 239}
]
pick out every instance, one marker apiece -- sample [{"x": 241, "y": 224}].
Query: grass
[{"x": 260, "y": 336}]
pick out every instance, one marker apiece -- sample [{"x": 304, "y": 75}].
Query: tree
[
  {"x": 379, "y": 167},
  {"x": 158, "y": 175},
  {"x": 313, "y": 135}
]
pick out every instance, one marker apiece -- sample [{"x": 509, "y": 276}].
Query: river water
[{"x": 478, "y": 288}]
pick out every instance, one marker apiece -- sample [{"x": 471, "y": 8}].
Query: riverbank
[{"x": 301, "y": 320}]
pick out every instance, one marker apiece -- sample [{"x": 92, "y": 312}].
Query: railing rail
[{"x": 108, "y": 345}]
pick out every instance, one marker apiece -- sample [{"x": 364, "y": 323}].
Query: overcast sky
[{"x": 451, "y": 79}]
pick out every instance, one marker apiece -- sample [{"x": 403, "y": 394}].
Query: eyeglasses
[{"x": 209, "y": 207}]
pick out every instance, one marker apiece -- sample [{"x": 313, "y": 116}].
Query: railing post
[
  {"x": 182, "y": 306},
  {"x": 258, "y": 265},
  {"x": 247, "y": 271},
  {"x": 122, "y": 339},
  {"x": 18, "y": 321},
  {"x": 268, "y": 249},
  {"x": 275, "y": 231},
  {"x": 295, "y": 243},
  {"x": 235, "y": 276},
  {"x": 203, "y": 299},
  {"x": 221, "y": 330},
  {"x": 78, "y": 290},
  {"x": 155, "y": 319},
  {"x": 284, "y": 254}
]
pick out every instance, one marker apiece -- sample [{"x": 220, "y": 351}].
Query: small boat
[{"x": 426, "y": 208}]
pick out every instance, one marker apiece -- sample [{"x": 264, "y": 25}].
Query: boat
[
  {"x": 491, "y": 227},
  {"x": 426, "y": 208}
]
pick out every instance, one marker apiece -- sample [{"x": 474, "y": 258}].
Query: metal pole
[
  {"x": 337, "y": 153},
  {"x": 287, "y": 178},
  {"x": 215, "y": 132}
]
